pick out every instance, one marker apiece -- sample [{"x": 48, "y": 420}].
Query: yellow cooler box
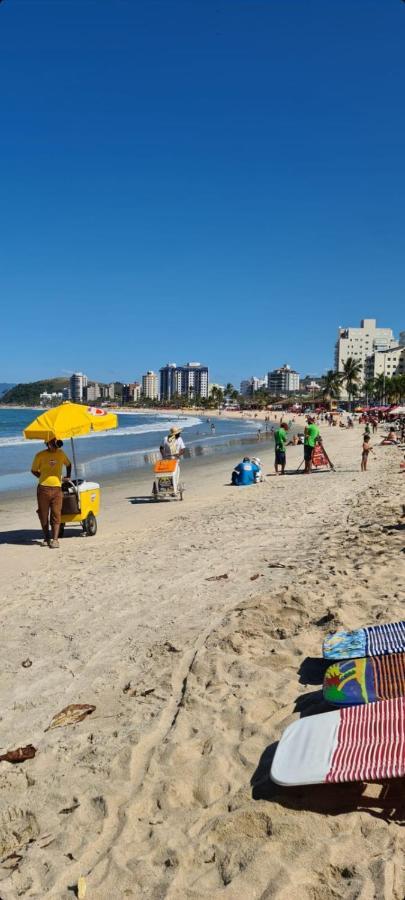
[{"x": 80, "y": 505}]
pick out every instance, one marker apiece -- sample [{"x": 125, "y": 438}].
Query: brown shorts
[{"x": 49, "y": 501}]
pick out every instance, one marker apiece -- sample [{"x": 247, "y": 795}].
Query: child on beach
[{"x": 367, "y": 448}]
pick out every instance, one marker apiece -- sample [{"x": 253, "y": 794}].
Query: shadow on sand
[
  {"x": 24, "y": 536},
  {"x": 331, "y": 799}
]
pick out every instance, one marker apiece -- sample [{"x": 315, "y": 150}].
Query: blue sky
[{"x": 222, "y": 181}]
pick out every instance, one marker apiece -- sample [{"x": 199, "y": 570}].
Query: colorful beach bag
[
  {"x": 376, "y": 640},
  {"x": 355, "y": 743},
  {"x": 365, "y": 680}
]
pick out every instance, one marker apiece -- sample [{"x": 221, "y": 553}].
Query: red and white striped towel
[{"x": 356, "y": 743}]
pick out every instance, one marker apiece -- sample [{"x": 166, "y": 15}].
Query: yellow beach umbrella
[{"x": 70, "y": 420}]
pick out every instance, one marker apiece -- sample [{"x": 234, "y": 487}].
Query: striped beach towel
[
  {"x": 381, "y": 639},
  {"x": 375, "y": 640},
  {"x": 370, "y": 743},
  {"x": 356, "y": 743}
]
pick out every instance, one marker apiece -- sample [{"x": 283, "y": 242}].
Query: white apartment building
[
  {"x": 53, "y": 399},
  {"x": 283, "y": 380},
  {"x": 386, "y": 362},
  {"x": 189, "y": 380},
  {"x": 249, "y": 385},
  {"x": 92, "y": 392},
  {"x": 360, "y": 343},
  {"x": 212, "y": 385},
  {"x": 150, "y": 385}
]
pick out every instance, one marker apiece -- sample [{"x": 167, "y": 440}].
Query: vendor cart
[
  {"x": 80, "y": 505},
  {"x": 81, "y": 499},
  {"x": 166, "y": 481}
]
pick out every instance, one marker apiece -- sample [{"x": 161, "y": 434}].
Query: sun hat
[{"x": 175, "y": 430}]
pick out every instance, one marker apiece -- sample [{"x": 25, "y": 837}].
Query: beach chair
[
  {"x": 376, "y": 640},
  {"x": 365, "y": 680},
  {"x": 355, "y": 743}
]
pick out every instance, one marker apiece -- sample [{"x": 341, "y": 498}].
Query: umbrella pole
[
  {"x": 75, "y": 471},
  {"x": 74, "y": 459}
]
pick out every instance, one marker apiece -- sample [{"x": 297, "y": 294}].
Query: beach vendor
[
  {"x": 280, "y": 438},
  {"x": 311, "y": 435},
  {"x": 47, "y": 466},
  {"x": 173, "y": 445},
  {"x": 245, "y": 473}
]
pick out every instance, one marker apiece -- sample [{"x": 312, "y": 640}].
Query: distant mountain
[
  {"x": 4, "y": 387},
  {"x": 28, "y": 394}
]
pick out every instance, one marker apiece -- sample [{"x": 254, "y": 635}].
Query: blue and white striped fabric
[{"x": 383, "y": 639}]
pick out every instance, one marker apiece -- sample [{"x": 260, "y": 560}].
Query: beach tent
[
  {"x": 70, "y": 420},
  {"x": 397, "y": 411}
]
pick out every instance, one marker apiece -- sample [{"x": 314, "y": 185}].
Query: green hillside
[{"x": 28, "y": 394}]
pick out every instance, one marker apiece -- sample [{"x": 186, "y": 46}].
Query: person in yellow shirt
[{"x": 47, "y": 466}]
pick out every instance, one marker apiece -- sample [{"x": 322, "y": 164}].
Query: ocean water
[{"x": 133, "y": 444}]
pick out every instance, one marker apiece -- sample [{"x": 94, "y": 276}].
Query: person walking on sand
[
  {"x": 311, "y": 434},
  {"x": 367, "y": 448},
  {"x": 280, "y": 438},
  {"x": 47, "y": 466}
]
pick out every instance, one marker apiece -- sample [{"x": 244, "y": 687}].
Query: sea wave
[{"x": 186, "y": 422}]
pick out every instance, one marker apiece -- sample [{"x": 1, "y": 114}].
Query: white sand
[{"x": 150, "y": 796}]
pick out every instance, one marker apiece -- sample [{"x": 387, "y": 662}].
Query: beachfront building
[
  {"x": 360, "y": 343},
  {"x": 78, "y": 382},
  {"x": 386, "y": 362},
  {"x": 249, "y": 385},
  {"x": 213, "y": 386},
  {"x": 189, "y": 380},
  {"x": 150, "y": 385},
  {"x": 131, "y": 393},
  {"x": 91, "y": 393},
  {"x": 283, "y": 380},
  {"x": 53, "y": 399}
]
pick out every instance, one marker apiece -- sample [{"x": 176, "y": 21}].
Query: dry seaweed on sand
[{"x": 70, "y": 715}]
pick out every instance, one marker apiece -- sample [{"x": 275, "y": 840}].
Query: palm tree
[
  {"x": 217, "y": 396},
  {"x": 369, "y": 389},
  {"x": 332, "y": 384},
  {"x": 351, "y": 375},
  {"x": 379, "y": 386},
  {"x": 395, "y": 388}
]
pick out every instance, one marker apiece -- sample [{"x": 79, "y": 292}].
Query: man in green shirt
[
  {"x": 280, "y": 437},
  {"x": 311, "y": 435}
]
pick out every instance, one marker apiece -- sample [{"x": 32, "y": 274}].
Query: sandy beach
[{"x": 163, "y": 791}]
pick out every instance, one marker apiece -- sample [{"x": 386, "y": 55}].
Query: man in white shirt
[{"x": 173, "y": 445}]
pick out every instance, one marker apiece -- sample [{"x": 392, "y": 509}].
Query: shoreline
[{"x": 125, "y": 455}]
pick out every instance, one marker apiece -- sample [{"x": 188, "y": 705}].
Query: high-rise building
[
  {"x": 78, "y": 382},
  {"x": 91, "y": 393},
  {"x": 189, "y": 380},
  {"x": 283, "y": 380},
  {"x": 360, "y": 343},
  {"x": 150, "y": 385},
  {"x": 131, "y": 392},
  {"x": 249, "y": 385}
]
